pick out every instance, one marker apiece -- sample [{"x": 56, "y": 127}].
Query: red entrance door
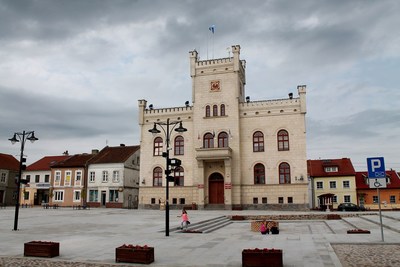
[{"x": 216, "y": 189}]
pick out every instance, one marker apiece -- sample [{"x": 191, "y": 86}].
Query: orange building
[{"x": 368, "y": 197}]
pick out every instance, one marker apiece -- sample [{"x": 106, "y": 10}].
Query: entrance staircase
[{"x": 206, "y": 226}]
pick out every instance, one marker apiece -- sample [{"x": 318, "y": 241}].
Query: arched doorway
[{"x": 216, "y": 189}]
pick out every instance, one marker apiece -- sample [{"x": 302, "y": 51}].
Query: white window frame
[
  {"x": 105, "y": 176},
  {"x": 96, "y": 195},
  {"x": 319, "y": 183},
  {"x": 334, "y": 199},
  {"x": 77, "y": 196},
  {"x": 346, "y": 182},
  {"x": 347, "y": 199},
  {"x": 392, "y": 199},
  {"x": 332, "y": 183},
  {"x": 78, "y": 177},
  {"x": 92, "y": 178},
  {"x": 115, "y": 176},
  {"x": 3, "y": 177},
  {"x": 57, "y": 177},
  {"x": 331, "y": 169},
  {"x": 68, "y": 178},
  {"x": 58, "y": 196}
]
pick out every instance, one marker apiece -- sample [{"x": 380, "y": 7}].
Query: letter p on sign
[{"x": 376, "y": 167}]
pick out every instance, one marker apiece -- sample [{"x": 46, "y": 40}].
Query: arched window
[
  {"x": 258, "y": 142},
  {"x": 284, "y": 173},
  {"x": 208, "y": 141},
  {"x": 179, "y": 176},
  {"x": 283, "y": 140},
  {"x": 215, "y": 110},
  {"x": 222, "y": 110},
  {"x": 259, "y": 174},
  {"x": 158, "y": 146},
  {"x": 223, "y": 139},
  {"x": 157, "y": 176},
  {"x": 179, "y": 145},
  {"x": 208, "y": 111}
]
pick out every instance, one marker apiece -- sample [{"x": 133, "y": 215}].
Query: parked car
[{"x": 349, "y": 207}]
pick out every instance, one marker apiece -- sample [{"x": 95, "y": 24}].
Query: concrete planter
[
  {"x": 262, "y": 257},
  {"x": 358, "y": 231},
  {"x": 42, "y": 249},
  {"x": 134, "y": 254}
]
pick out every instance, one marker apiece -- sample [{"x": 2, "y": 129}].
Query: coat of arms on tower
[{"x": 215, "y": 86}]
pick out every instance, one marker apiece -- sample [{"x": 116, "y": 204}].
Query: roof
[
  {"x": 362, "y": 176},
  {"x": 118, "y": 154},
  {"x": 44, "y": 164},
  {"x": 78, "y": 160},
  {"x": 316, "y": 168},
  {"x": 8, "y": 162}
]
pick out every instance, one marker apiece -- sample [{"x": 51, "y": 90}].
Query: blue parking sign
[{"x": 376, "y": 167}]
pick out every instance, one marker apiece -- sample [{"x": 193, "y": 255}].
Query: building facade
[
  {"x": 389, "y": 196},
  {"x": 332, "y": 182},
  {"x": 113, "y": 177},
  {"x": 37, "y": 190},
  {"x": 236, "y": 153},
  {"x": 9, "y": 167}
]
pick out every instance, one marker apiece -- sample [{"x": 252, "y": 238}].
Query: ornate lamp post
[
  {"x": 167, "y": 131},
  {"x": 21, "y": 137}
]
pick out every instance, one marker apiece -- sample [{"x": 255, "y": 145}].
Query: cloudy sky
[{"x": 73, "y": 71}]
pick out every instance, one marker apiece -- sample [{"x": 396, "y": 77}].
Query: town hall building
[{"x": 235, "y": 154}]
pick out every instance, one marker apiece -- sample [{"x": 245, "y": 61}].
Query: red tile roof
[
  {"x": 8, "y": 162},
  {"x": 316, "y": 168},
  {"x": 117, "y": 154},
  {"x": 44, "y": 164},
  {"x": 362, "y": 183},
  {"x": 78, "y": 160}
]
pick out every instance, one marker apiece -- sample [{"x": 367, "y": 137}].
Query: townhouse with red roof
[
  {"x": 389, "y": 196},
  {"x": 331, "y": 182},
  {"x": 37, "y": 190},
  {"x": 9, "y": 167}
]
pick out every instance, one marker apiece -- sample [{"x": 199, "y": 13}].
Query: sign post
[{"x": 377, "y": 179}]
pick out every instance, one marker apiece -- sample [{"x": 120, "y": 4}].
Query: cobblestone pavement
[{"x": 362, "y": 255}]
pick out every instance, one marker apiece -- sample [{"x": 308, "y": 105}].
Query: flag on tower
[{"x": 212, "y": 28}]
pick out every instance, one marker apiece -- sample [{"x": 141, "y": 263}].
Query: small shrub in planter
[
  {"x": 134, "y": 254},
  {"x": 262, "y": 257},
  {"x": 42, "y": 249}
]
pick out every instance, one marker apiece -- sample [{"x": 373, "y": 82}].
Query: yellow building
[
  {"x": 333, "y": 182},
  {"x": 236, "y": 153}
]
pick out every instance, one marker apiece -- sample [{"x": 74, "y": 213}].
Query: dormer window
[{"x": 331, "y": 169}]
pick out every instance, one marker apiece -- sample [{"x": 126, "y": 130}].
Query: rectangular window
[
  {"x": 26, "y": 195},
  {"x": 182, "y": 201},
  {"x": 264, "y": 200},
  {"x": 153, "y": 200},
  {"x": 290, "y": 200},
  {"x": 375, "y": 199},
  {"x": 59, "y": 196},
  {"x": 105, "y": 176},
  {"x": 57, "y": 179},
  {"x": 3, "y": 177},
  {"x": 78, "y": 177},
  {"x": 115, "y": 176},
  {"x": 346, "y": 184},
  {"x": 332, "y": 184},
  {"x": 93, "y": 196},
  {"x": 92, "y": 177},
  {"x": 334, "y": 199},
  {"x": 255, "y": 200},
  {"x": 331, "y": 169},
  {"x": 174, "y": 201},
  {"x": 37, "y": 178},
  {"x": 320, "y": 185},
  {"x": 392, "y": 199},
  {"x": 28, "y": 178},
  {"x": 113, "y": 195},
  {"x": 77, "y": 195},
  {"x": 280, "y": 200},
  {"x": 67, "y": 180},
  {"x": 47, "y": 178},
  {"x": 347, "y": 199}
]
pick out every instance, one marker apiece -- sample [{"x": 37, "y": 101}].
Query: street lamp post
[
  {"x": 21, "y": 137},
  {"x": 167, "y": 131}
]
